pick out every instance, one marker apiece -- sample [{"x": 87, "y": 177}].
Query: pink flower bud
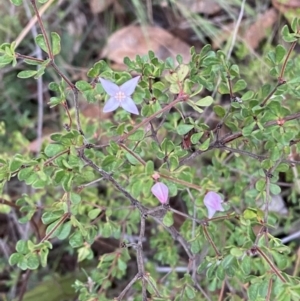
[{"x": 161, "y": 191}]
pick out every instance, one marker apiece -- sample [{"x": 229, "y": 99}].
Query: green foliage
[{"x": 90, "y": 190}]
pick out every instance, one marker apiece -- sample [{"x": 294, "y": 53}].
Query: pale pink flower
[
  {"x": 213, "y": 201},
  {"x": 161, "y": 191},
  {"x": 120, "y": 96}
]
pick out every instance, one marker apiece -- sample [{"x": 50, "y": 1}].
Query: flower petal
[
  {"x": 211, "y": 212},
  {"x": 161, "y": 191},
  {"x": 128, "y": 105},
  {"x": 111, "y": 105},
  {"x": 129, "y": 86},
  {"x": 213, "y": 201},
  {"x": 109, "y": 87}
]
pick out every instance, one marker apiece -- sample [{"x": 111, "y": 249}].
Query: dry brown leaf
[
  {"x": 134, "y": 40},
  {"x": 289, "y": 8},
  {"x": 98, "y": 6},
  {"x": 253, "y": 34},
  {"x": 257, "y": 31},
  {"x": 207, "y": 7},
  {"x": 284, "y": 5}
]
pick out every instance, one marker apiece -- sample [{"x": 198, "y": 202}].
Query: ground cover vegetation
[{"x": 159, "y": 167}]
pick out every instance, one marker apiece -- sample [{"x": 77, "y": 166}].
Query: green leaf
[
  {"x": 193, "y": 105},
  {"x": 16, "y": 163},
  {"x": 266, "y": 164},
  {"x": 43, "y": 256},
  {"x": 58, "y": 176},
  {"x": 54, "y": 101},
  {"x": 174, "y": 88},
  {"x": 32, "y": 62},
  {"x": 279, "y": 53},
  {"x": 122, "y": 264},
  {"x": 76, "y": 239},
  {"x": 220, "y": 111},
  {"x": 16, "y": 2},
  {"x": 246, "y": 265},
  {"x": 40, "y": 72},
  {"x": 190, "y": 292},
  {"x": 55, "y": 38},
  {"x": 149, "y": 168},
  {"x": 183, "y": 129},
  {"x": 196, "y": 137},
  {"x": 168, "y": 219},
  {"x": 51, "y": 216},
  {"x": 220, "y": 273},
  {"x": 15, "y": 258},
  {"x": 287, "y": 36},
  {"x": 22, "y": 264},
  {"x": 179, "y": 58},
  {"x": 205, "y": 145},
  {"x": 234, "y": 70},
  {"x": 132, "y": 159},
  {"x": 54, "y": 87},
  {"x": 67, "y": 182},
  {"x": 283, "y": 167},
  {"x": 253, "y": 291},
  {"x": 39, "y": 39},
  {"x": 54, "y": 228},
  {"x": 260, "y": 185},
  {"x": 33, "y": 261},
  {"x": 247, "y": 130},
  {"x": 275, "y": 189},
  {"x": 248, "y": 95},
  {"x": 250, "y": 214},
  {"x": 82, "y": 85},
  {"x": 22, "y": 247},
  {"x": 75, "y": 198},
  {"x": 205, "y": 102},
  {"x": 27, "y": 73},
  {"x": 64, "y": 230},
  {"x": 106, "y": 230},
  {"x": 170, "y": 63},
  {"x": 94, "y": 213},
  {"x": 5, "y": 60},
  {"x": 223, "y": 88},
  {"x": 172, "y": 78},
  {"x": 210, "y": 273},
  {"x": 237, "y": 252},
  {"x": 239, "y": 85},
  {"x": 182, "y": 71},
  {"x": 137, "y": 135},
  {"x": 53, "y": 149}
]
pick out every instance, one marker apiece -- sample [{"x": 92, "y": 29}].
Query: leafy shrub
[{"x": 169, "y": 151}]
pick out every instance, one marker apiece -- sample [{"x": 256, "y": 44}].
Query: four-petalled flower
[
  {"x": 213, "y": 201},
  {"x": 120, "y": 96}
]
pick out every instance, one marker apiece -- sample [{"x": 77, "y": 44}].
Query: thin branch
[
  {"x": 179, "y": 98},
  {"x": 127, "y": 288},
  {"x": 107, "y": 176},
  {"x": 204, "y": 227},
  {"x": 37, "y": 13},
  {"x": 272, "y": 266},
  {"x": 27, "y": 57},
  {"x": 231, "y": 137},
  {"x": 56, "y": 156}
]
